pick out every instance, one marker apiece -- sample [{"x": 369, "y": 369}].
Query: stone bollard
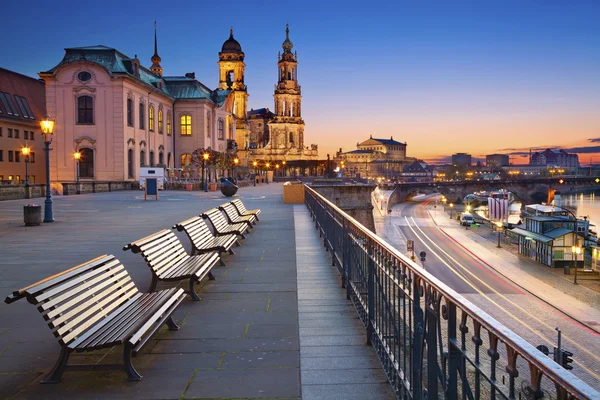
[{"x": 32, "y": 215}]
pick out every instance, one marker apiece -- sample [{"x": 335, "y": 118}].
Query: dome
[{"x": 231, "y": 45}]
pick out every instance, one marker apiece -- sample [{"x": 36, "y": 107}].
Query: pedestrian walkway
[
  {"x": 335, "y": 361},
  {"x": 581, "y": 303},
  {"x": 263, "y": 329}
]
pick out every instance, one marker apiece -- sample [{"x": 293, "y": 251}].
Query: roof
[
  {"x": 535, "y": 236},
  {"x": 182, "y": 87},
  {"x": 558, "y": 232},
  {"x": 22, "y": 98},
  {"x": 231, "y": 45},
  {"x": 387, "y": 142},
  {"x": 548, "y": 218},
  {"x": 360, "y": 152}
]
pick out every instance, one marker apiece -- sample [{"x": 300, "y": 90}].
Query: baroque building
[
  {"x": 375, "y": 158},
  {"x": 121, "y": 115},
  {"x": 278, "y": 135}
]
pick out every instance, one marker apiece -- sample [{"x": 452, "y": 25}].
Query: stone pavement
[{"x": 273, "y": 325}]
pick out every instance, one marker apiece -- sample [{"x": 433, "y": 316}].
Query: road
[{"x": 524, "y": 314}]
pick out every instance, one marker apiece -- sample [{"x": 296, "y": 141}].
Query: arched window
[
  {"x": 142, "y": 115},
  {"x": 130, "y": 163},
  {"x": 221, "y": 129},
  {"x": 85, "y": 110},
  {"x": 161, "y": 158},
  {"x": 151, "y": 118},
  {"x": 186, "y": 160},
  {"x": 129, "y": 112},
  {"x": 142, "y": 158},
  {"x": 186, "y": 124},
  {"x": 86, "y": 163},
  {"x": 151, "y": 158},
  {"x": 169, "y": 124},
  {"x": 160, "y": 121}
]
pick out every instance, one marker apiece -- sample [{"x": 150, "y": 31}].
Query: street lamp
[
  {"x": 77, "y": 157},
  {"x": 576, "y": 250},
  {"x": 451, "y": 209},
  {"x": 236, "y": 161},
  {"x": 284, "y": 173},
  {"x": 47, "y": 125},
  {"x": 205, "y": 157},
  {"x": 277, "y": 169},
  {"x": 26, "y": 151},
  {"x": 267, "y": 172},
  {"x": 254, "y": 164},
  {"x": 499, "y": 226}
]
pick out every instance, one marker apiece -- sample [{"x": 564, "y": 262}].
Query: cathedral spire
[
  {"x": 156, "y": 68},
  {"x": 287, "y": 44}
]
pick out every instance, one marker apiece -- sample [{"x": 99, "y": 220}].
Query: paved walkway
[{"x": 245, "y": 339}]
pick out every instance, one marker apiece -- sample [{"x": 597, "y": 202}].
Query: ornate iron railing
[{"x": 431, "y": 341}]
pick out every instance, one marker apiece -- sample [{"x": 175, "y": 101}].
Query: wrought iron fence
[{"x": 431, "y": 341}]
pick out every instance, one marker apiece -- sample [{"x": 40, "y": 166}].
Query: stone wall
[
  {"x": 15, "y": 192},
  {"x": 353, "y": 199}
]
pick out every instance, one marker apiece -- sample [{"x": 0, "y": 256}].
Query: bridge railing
[{"x": 431, "y": 341}]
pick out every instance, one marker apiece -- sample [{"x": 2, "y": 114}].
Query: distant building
[
  {"x": 461, "y": 160},
  {"x": 496, "y": 161},
  {"x": 555, "y": 158},
  {"x": 22, "y": 106},
  {"x": 418, "y": 170},
  {"x": 376, "y": 158}
]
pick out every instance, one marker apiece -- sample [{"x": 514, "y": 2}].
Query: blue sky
[{"x": 443, "y": 76}]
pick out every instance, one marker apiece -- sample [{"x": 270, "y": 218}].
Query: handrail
[{"x": 372, "y": 259}]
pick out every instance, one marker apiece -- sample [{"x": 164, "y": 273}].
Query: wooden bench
[
  {"x": 202, "y": 239},
  {"x": 234, "y": 218},
  {"x": 222, "y": 226},
  {"x": 169, "y": 261},
  {"x": 96, "y": 305},
  {"x": 241, "y": 209}
]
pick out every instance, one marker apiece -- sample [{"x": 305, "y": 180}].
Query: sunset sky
[{"x": 445, "y": 77}]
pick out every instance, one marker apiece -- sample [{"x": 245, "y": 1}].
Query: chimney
[{"x": 191, "y": 75}]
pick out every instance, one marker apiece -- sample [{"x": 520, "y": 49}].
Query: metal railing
[{"x": 431, "y": 341}]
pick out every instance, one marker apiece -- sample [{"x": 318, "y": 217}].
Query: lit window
[
  {"x": 151, "y": 118},
  {"x": 186, "y": 159},
  {"x": 160, "y": 121},
  {"x": 186, "y": 125},
  {"x": 169, "y": 126},
  {"x": 85, "y": 110}
]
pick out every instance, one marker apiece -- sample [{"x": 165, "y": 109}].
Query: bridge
[{"x": 528, "y": 191}]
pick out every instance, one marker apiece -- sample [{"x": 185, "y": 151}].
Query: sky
[{"x": 479, "y": 77}]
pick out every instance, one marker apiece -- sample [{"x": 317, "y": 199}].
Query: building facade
[
  {"x": 278, "y": 135},
  {"x": 22, "y": 106},
  {"x": 461, "y": 160},
  {"x": 495, "y": 162},
  {"x": 120, "y": 115},
  {"x": 555, "y": 158},
  {"x": 376, "y": 158}
]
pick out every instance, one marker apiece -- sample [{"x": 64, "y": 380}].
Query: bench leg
[
  {"x": 242, "y": 235},
  {"x": 171, "y": 324},
  {"x": 237, "y": 243},
  {"x": 59, "y": 368},
  {"x": 211, "y": 276},
  {"x": 221, "y": 262},
  {"x": 230, "y": 251},
  {"x": 193, "y": 294},
  {"x": 132, "y": 374}
]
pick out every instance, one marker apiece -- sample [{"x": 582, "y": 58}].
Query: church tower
[
  {"x": 231, "y": 77},
  {"x": 287, "y": 127},
  {"x": 156, "y": 68}
]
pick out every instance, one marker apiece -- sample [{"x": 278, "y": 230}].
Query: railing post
[
  {"x": 453, "y": 353},
  {"x": 417, "y": 353},
  {"x": 370, "y": 290},
  {"x": 432, "y": 347}
]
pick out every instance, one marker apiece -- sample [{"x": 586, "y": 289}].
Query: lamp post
[
  {"x": 451, "y": 209},
  {"x": 26, "y": 151},
  {"x": 205, "y": 158},
  {"x": 254, "y": 164},
  {"x": 236, "y": 161},
  {"x": 284, "y": 173},
  {"x": 277, "y": 169},
  {"x": 77, "y": 157},
  {"x": 499, "y": 226},
  {"x": 47, "y": 125},
  {"x": 576, "y": 250},
  {"x": 267, "y": 172}
]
